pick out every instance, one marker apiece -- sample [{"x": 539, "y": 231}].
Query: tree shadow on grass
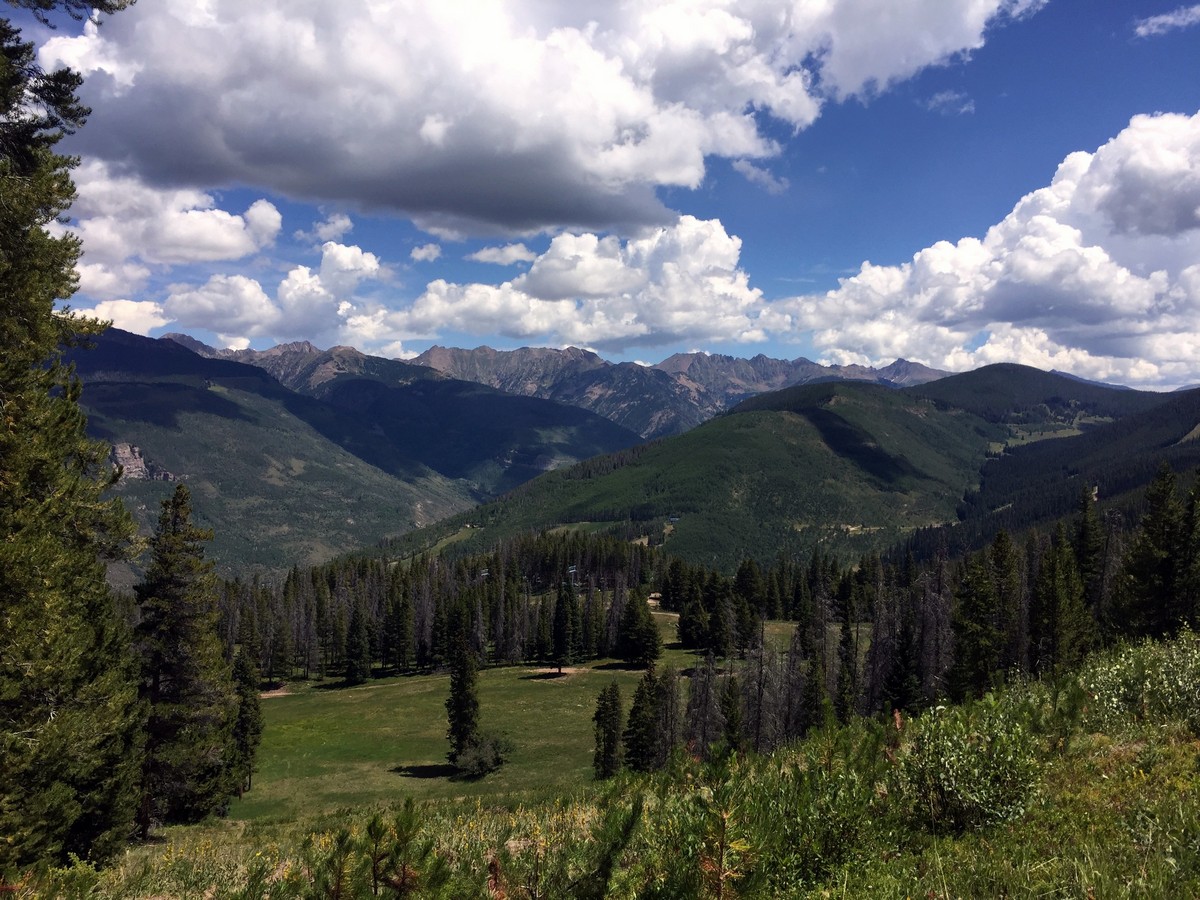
[
  {"x": 543, "y": 676},
  {"x": 437, "y": 770},
  {"x": 429, "y": 770},
  {"x": 620, "y": 667}
]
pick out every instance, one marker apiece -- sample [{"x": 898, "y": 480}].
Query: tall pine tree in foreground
[
  {"x": 462, "y": 706},
  {"x": 609, "y": 719},
  {"x": 186, "y": 680},
  {"x": 69, "y": 715}
]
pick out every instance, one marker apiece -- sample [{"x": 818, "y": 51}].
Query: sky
[{"x": 955, "y": 182}]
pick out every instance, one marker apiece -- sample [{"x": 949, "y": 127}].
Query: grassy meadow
[{"x": 326, "y": 748}]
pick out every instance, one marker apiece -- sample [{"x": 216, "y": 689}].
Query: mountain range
[
  {"x": 655, "y": 401},
  {"x": 851, "y": 468},
  {"x": 295, "y": 454}
]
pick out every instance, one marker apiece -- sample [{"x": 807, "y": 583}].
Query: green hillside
[
  {"x": 275, "y": 489},
  {"x": 844, "y": 466},
  {"x": 287, "y": 479}
]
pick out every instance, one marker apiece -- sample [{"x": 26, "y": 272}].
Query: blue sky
[{"x": 855, "y": 180}]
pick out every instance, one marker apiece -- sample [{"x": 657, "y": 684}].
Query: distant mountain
[
  {"x": 730, "y": 379},
  {"x": 669, "y": 398},
  {"x": 492, "y": 438},
  {"x": 851, "y": 467},
  {"x": 370, "y": 447},
  {"x": 1015, "y": 394},
  {"x": 635, "y": 397}
]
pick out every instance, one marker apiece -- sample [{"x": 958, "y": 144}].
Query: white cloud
[
  {"x": 508, "y": 116},
  {"x": 138, "y": 316},
  {"x": 507, "y": 255},
  {"x": 950, "y": 103},
  {"x": 332, "y": 228},
  {"x": 673, "y": 283},
  {"x": 772, "y": 184},
  {"x": 128, "y": 226},
  {"x": 425, "y": 253},
  {"x": 1153, "y": 26},
  {"x": 1096, "y": 273},
  {"x": 307, "y": 304}
]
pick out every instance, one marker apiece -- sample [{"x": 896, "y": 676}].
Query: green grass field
[{"x": 327, "y": 748}]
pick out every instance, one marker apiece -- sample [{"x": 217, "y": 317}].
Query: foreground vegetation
[{"x": 1087, "y": 786}]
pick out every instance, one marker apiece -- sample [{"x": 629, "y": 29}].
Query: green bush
[
  {"x": 486, "y": 754},
  {"x": 1148, "y": 682},
  {"x": 968, "y": 767}
]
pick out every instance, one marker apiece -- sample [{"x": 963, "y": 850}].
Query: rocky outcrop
[{"x": 135, "y": 466}]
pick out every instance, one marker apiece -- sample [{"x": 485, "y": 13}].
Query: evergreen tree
[
  {"x": 566, "y": 614},
  {"x": 978, "y": 641},
  {"x": 731, "y": 715},
  {"x": 1062, "y": 626},
  {"x": 186, "y": 681},
  {"x": 1150, "y": 597},
  {"x": 462, "y": 706},
  {"x": 669, "y": 726},
  {"x": 1011, "y": 603},
  {"x": 846, "y": 695},
  {"x": 641, "y": 731},
  {"x": 69, "y": 715},
  {"x": 638, "y": 640},
  {"x": 609, "y": 719},
  {"x": 358, "y": 647},
  {"x": 1089, "y": 551},
  {"x": 248, "y": 726}
]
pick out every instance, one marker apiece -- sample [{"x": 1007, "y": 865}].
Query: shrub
[
  {"x": 487, "y": 753},
  {"x": 968, "y": 767},
  {"x": 1149, "y": 682}
]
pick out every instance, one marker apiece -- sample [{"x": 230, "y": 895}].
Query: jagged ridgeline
[{"x": 843, "y": 467}]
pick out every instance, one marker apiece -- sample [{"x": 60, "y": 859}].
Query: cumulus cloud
[
  {"x": 1153, "y": 26},
  {"x": 425, "y": 253},
  {"x": 128, "y": 226},
  {"x": 306, "y": 304},
  {"x": 506, "y": 116},
  {"x": 333, "y": 228},
  {"x": 1095, "y": 273},
  {"x": 670, "y": 284},
  {"x": 138, "y": 316},
  {"x": 507, "y": 255}
]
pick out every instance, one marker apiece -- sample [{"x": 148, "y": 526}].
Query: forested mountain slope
[
  {"x": 844, "y": 467},
  {"x": 286, "y": 478}
]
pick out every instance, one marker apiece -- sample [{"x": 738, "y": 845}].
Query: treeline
[{"x": 371, "y": 615}]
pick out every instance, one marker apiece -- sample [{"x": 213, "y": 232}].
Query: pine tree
[
  {"x": 358, "y": 647},
  {"x": 69, "y": 715},
  {"x": 638, "y": 640},
  {"x": 248, "y": 725},
  {"x": 1062, "y": 626},
  {"x": 609, "y": 719},
  {"x": 186, "y": 681},
  {"x": 978, "y": 640},
  {"x": 641, "y": 731},
  {"x": 1150, "y": 604},
  {"x": 669, "y": 726},
  {"x": 462, "y": 706},
  {"x": 731, "y": 714},
  {"x": 565, "y": 616}
]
